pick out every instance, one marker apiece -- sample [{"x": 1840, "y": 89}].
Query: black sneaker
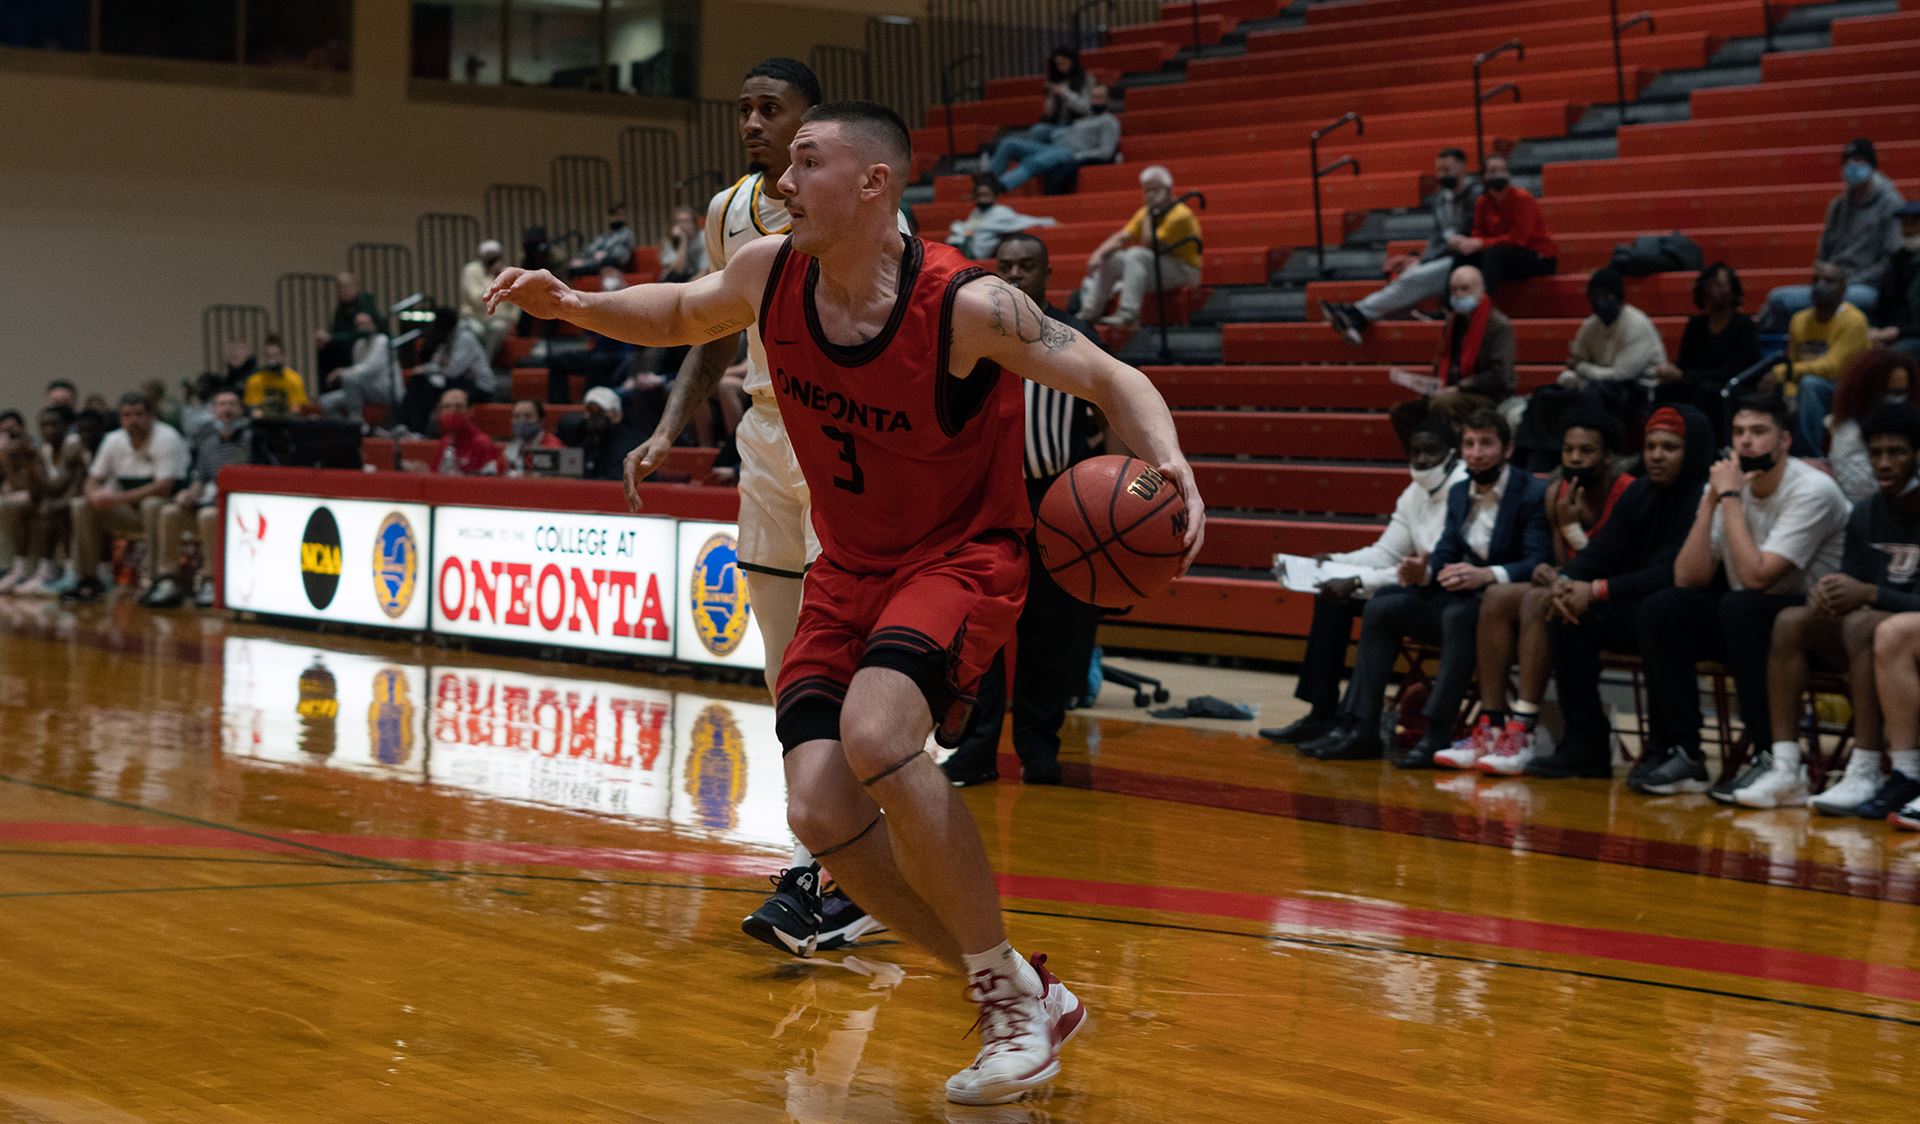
[
  {"x": 1894, "y": 794},
  {"x": 1300, "y": 731},
  {"x": 842, "y": 921},
  {"x": 959, "y": 776},
  {"x": 790, "y": 919},
  {"x": 164, "y": 593},
  {"x": 1041, "y": 770},
  {"x": 1572, "y": 759},
  {"x": 87, "y": 591},
  {"x": 1674, "y": 771},
  {"x": 1344, "y": 320},
  {"x": 1723, "y": 790}
]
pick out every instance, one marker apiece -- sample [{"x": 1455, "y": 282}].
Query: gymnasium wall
[{"x": 133, "y": 193}]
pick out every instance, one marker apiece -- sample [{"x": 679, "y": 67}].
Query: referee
[{"x": 1054, "y": 641}]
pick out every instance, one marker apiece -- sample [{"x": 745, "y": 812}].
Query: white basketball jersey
[{"x": 736, "y": 217}]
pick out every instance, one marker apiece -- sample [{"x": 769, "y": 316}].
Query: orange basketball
[{"x": 1110, "y": 530}]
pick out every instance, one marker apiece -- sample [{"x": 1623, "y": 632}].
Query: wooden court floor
[{"x": 250, "y": 873}]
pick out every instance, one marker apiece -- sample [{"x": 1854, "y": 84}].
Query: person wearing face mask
[
  {"x": 1596, "y": 599},
  {"x": 455, "y": 360},
  {"x": 604, "y": 361},
  {"x": 1861, "y": 232},
  {"x": 1896, "y": 316},
  {"x": 611, "y": 247},
  {"x": 368, "y": 380},
  {"x": 604, "y": 436},
  {"x": 1719, "y": 342},
  {"x": 1419, "y": 515},
  {"x": 1474, "y": 362},
  {"x": 1821, "y": 342},
  {"x": 464, "y": 450},
  {"x": 1771, "y": 525},
  {"x": 1422, "y": 277},
  {"x": 489, "y": 327},
  {"x": 1874, "y": 377},
  {"x": 1879, "y": 565},
  {"x": 1580, "y": 499},
  {"x": 1495, "y": 533},
  {"x": 1611, "y": 365},
  {"x": 1089, "y": 139},
  {"x": 334, "y": 343},
  {"x": 529, "y": 432},
  {"x": 1509, "y": 241},
  {"x": 227, "y": 440},
  {"x": 275, "y": 383},
  {"x": 990, "y": 220},
  {"x": 1124, "y": 264}
]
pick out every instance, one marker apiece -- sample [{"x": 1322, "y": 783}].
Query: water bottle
[{"x": 449, "y": 464}]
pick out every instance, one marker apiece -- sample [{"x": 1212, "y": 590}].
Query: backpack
[{"x": 1657, "y": 253}]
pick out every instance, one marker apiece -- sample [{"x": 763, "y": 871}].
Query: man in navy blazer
[{"x": 1496, "y": 531}]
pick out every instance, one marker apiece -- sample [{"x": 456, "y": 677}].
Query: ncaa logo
[
  {"x": 396, "y": 564},
  {"x": 320, "y": 558},
  {"x": 717, "y": 768},
  {"x": 719, "y": 596}
]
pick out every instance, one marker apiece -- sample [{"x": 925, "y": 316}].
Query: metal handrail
[
  {"x": 946, "y": 93},
  {"x": 1519, "y": 51},
  {"x": 1313, "y": 156},
  {"x": 1619, "y": 76},
  {"x": 1766, "y": 22},
  {"x": 1159, "y": 287}
]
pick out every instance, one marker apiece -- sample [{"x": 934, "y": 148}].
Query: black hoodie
[{"x": 1634, "y": 550}]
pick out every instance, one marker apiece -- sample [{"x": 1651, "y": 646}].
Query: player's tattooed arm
[{"x": 1015, "y": 316}]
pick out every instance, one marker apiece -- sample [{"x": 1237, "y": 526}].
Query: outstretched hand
[
  {"x": 536, "y": 292},
  {"x": 641, "y": 463},
  {"x": 1182, "y": 476}
]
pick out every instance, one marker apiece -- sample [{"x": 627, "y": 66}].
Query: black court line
[
  {"x": 44, "y": 854},
  {"x": 235, "y": 886}
]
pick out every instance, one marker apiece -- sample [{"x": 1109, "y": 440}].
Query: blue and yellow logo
[
  {"x": 717, "y": 768},
  {"x": 719, "y": 596},
  {"x": 391, "y": 717},
  {"x": 396, "y": 564}
]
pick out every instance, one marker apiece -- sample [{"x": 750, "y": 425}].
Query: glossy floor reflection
[{"x": 257, "y": 873}]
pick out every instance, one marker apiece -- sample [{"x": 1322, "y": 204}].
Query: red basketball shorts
[{"x": 937, "y": 620}]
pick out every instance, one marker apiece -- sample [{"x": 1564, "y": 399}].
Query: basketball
[{"x": 1110, "y": 531}]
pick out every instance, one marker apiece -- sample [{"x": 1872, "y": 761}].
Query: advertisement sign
[
  {"x": 351, "y": 561},
  {"x": 569, "y": 743},
  {"x": 296, "y": 705},
  {"x": 728, "y": 778},
  {"x": 602, "y": 582},
  {"x": 714, "y": 615}
]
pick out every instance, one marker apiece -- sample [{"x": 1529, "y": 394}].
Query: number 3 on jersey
[{"x": 857, "y": 482}]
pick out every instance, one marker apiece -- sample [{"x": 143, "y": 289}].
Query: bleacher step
[
  {"x": 1680, "y": 83},
  {"x": 1252, "y": 305},
  {"x": 1344, "y": 263},
  {"x": 1602, "y": 120},
  {"x": 1751, "y": 49},
  {"x": 1817, "y": 17},
  {"x": 1530, "y": 156},
  {"x": 1188, "y": 345}
]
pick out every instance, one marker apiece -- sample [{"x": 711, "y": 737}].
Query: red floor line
[{"x": 1284, "y": 913}]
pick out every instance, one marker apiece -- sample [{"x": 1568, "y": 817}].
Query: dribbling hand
[
  {"x": 641, "y": 464},
  {"x": 1182, "y": 476},
  {"x": 537, "y": 293}
]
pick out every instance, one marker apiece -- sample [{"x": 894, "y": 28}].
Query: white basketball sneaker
[
  {"x": 1782, "y": 784},
  {"x": 1463, "y": 753},
  {"x": 1855, "y": 787},
  {"x": 1024, "y": 1020},
  {"x": 1512, "y": 752}
]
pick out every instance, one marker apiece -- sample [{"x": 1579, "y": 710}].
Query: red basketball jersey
[{"x": 902, "y": 459}]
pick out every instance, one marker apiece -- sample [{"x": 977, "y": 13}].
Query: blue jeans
[
  {"x": 1810, "y": 426},
  {"x": 1034, "y": 156},
  {"x": 1783, "y": 302}
]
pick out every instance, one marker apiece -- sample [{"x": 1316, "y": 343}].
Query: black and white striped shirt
[{"x": 1058, "y": 424}]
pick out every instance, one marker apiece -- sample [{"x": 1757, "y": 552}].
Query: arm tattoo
[{"x": 1017, "y": 317}]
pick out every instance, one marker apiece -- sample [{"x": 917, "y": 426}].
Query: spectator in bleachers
[
  {"x": 367, "y": 381},
  {"x": 612, "y": 247},
  {"x": 1821, "y": 341},
  {"x": 1610, "y": 366},
  {"x": 61, "y": 392},
  {"x": 1876, "y": 579},
  {"x": 1090, "y": 139},
  {"x": 1419, "y": 515},
  {"x": 1509, "y": 241},
  {"x": 1772, "y": 524},
  {"x": 490, "y": 328},
  {"x": 1580, "y": 498},
  {"x": 1124, "y": 262},
  {"x": 979, "y": 234},
  {"x": 464, "y": 450},
  {"x": 1067, "y": 89},
  {"x": 1873, "y": 379},
  {"x": 1896, "y": 317},
  {"x": 1896, "y": 674},
  {"x": 1860, "y": 233},
  {"x": 39, "y": 526},
  {"x": 455, "y": 360},
  {"x": 529, "y": 432},
  {"x": 241, "y": 363},
  {"x": 1421, "y": 278},
  {"x": 196, "y": 507},
  {"x": 197, "y": 410},
  {"x": 1475, "y": 362},
  {"x": 604, "y": 361},
  {"x": 20, "y": 485},
  {"x": 604, "y": 436},
  {"x": 1495, "y": 532},
  {"x": 14, "y": 424},
  {"x": 683, "y": 252},
  {"x": 1719, "y": 342},
  {"x": 336, "y": 340},
  {"x": 138, "y": 466},
  {"x": 1596, "y": 600},
  {"x": 275, "y": 388}
]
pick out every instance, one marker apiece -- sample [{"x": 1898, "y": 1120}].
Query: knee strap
[
  {"x": 838, "y": 847},
  {"x": 893, "y": 768}
]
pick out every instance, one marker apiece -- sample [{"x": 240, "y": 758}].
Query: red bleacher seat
[{"x": 1405, "y": 342}]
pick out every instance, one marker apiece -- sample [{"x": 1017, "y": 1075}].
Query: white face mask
[{"x": 1432, "y": 479}]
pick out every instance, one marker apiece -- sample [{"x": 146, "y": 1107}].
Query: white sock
[
  {"x": 1003, "y": 960},
  {"x": 1866, "y": 757},
  {"x": 1906, "y": 761},
  {"x": 801, "y": 856},
  {"x": 1786, "y": 755}
]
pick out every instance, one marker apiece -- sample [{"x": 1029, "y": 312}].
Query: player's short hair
[
  {"x": 1770, "y": 404},
  {"x": 135, "y": 398},
  {"x": 1597, "y": 421},
  {"x": 1023, "y": 238},
  {"x": 1893, "y": 419},
  {"x": 872, "y": 120},
  {"x": 1486, "y": 419},
  {"x": 791, "y": 71}
]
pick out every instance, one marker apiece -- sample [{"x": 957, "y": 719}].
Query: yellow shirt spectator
[
  {"x": 1821, "y": 347},
  {"x": 1176, "y": 224},
  {"x": 286, "y": 382}
]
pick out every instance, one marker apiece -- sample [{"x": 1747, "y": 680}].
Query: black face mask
[
  {"x": 1486, "y": 476},
  {"x": 1097, "y": 109},
  {"x": 1607, "y": 308},
  {"x": 984, "y": 207},
  {"x": 1448, "y": 183},
  {"x": 1584, "y": 477},
  {"x": 1497, "y": 183},
  {"x": 617, "y": 224},
  {"x": 1760, "y": 463}
]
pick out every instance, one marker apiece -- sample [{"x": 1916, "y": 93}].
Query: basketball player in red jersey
[{"x": 887, "y": 355}]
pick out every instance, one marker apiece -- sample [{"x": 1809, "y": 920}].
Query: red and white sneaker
[
  {"x": 1907, "y": 817},
  {"x": 1463, "y": 753},
  {"x": 1024, "y": 1020},
  {"x": 1512, "y": 750}
]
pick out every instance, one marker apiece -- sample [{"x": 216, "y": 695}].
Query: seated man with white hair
[
  {"x": 604, "y": 438},
  {"x": 1125, "y": 261},
  {"x": 475, "y": 276}
]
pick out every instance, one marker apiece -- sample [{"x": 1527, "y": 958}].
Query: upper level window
[
  {"x": 310, "y": 34},
  {"x": 608, "y": 46}
]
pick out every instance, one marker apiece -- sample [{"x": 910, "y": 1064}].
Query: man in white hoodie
[
  {"x": 979, "y": 234},
  {"x": 1419, "y": 515}
]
